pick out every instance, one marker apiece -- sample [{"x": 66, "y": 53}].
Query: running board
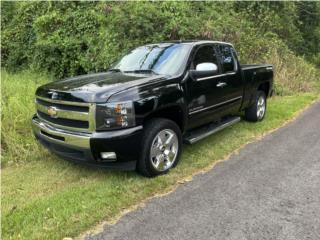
[{"x": 206, "y": 131}]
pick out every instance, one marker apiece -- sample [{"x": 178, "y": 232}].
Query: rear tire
[
  {"x": 257, "y": 111},
  {"x": 160, "y": 148}
]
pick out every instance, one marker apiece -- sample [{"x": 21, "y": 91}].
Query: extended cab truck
[{"x": 138, "y": 114}]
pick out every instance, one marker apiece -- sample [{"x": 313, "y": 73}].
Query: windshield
[{"x": 159, "y": 59}]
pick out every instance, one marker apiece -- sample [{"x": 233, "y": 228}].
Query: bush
[
  {"x": 72, "y": 38},
  {"x": 292, "y": 74}
]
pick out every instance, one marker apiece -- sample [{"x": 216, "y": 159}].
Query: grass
[
  {"x": 17, "y": 102},
  {"x": 44, "y": 197}
]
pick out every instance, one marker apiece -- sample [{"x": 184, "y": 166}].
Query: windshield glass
[{"x": 160, "y": 59}]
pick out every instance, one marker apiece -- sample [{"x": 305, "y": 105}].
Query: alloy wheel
[
  {"x": 164, "y": 150},
  {"x": 261, "y": 107}
]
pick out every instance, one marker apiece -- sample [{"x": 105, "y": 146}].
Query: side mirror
[
  {"x": 207, "y": 67},
  {"x": 204, "y": 70}
]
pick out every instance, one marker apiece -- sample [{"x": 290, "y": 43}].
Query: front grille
[
  {"x": 66, "y": 115},
  {"x": 63, "y": 106},
  {"x": 64, "y": 121}
]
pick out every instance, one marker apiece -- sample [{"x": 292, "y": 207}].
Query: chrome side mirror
[
  {"x": 207, "y": 66},
  {"x": 205, "y": 69}
]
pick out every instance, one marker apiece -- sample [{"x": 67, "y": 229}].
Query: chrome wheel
[
  {"x": 164, "y": 150},
  {"x": 261, "y": 107}
]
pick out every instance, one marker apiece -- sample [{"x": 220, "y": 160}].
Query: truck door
[
  {"x": 230, "y": 83},
  {"x": 204, "y": 97}
]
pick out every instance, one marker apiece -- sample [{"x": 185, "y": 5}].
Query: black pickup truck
[{"x": 138, "y": 114}]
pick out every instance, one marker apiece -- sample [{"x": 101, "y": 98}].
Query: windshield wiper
[{"x": 141, "y": 71}]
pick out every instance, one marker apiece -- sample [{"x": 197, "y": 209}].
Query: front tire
[
  {"x": 161, "y": 147},
  {"x": 257, "y": 111}
]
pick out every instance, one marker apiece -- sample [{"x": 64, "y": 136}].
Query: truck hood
[{"x": 94, "y": 87}]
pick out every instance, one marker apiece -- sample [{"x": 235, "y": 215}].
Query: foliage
[
  {"x": 71, "y": 38},
  {"x": 278, "y": 18},
  {"x": 309, "y": 17},
  {"x": 292, "y": 73},
  {"x": 17, "y": 103}
]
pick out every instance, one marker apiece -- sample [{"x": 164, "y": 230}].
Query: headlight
[{"x": 115, "y": 115}]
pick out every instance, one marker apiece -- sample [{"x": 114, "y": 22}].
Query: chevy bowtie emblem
[{"x": 52, "y": 111}]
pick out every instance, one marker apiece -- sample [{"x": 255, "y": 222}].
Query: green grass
[
  {"x": 17, "y": 101},
  {"x": 44, "y": 197}
]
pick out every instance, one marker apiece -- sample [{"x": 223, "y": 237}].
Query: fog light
[{"x": 108, "y": 155}]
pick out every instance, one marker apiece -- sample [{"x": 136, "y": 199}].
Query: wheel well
[
  {"x": 173, "y": 113},
  {"x": 265, "y": 87}
]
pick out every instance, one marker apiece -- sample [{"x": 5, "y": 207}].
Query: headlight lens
[{"x": 115, "y": 115}]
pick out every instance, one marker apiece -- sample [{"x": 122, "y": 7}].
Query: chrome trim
[
  {"x": 63, "y": 102},
  {"x": 79, "y": 140},
  {"x": 74, "y": 115},
  {"x": 215, "y": 76},
  {"x": 82, "y": 116},
  {"x": 83, "y": 130},
  {"x": 92, "y": 117},
  {"x": 221, "y": 84},
  {"x": 258, "y": 66},
  {"x": 215, "y": 105},
  {"x": 214, "y": 130}
]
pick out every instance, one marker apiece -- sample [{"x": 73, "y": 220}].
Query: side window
[
  {"x": 227, "y": 59},
  {"x": 204, "y": 54}
]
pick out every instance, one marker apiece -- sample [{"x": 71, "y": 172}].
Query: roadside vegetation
[
  {"x": 44, "y": 197},
  {"x": 17, "y": 101}
]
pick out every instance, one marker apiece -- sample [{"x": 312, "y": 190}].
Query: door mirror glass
[{"x": 207, "y": 66}]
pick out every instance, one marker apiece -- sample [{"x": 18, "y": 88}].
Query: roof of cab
[{"x": 192, "y": 42}]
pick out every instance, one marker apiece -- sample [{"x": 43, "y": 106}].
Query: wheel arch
[
  {"x": 174, "y": 113},
  {"x": 265, "y": 87}
]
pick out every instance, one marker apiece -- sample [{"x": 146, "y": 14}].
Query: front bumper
[{"x": 86, "y": 147}]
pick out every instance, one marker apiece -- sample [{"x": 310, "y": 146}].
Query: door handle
[{"x": 221, "y": 84}]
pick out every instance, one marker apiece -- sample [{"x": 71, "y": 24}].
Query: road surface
[{"x": 270, "y": 190}]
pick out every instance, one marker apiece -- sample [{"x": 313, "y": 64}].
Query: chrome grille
[{"x": 72, "y": 116}]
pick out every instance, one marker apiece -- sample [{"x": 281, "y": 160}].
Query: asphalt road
[{"x": 270, "y": 190}]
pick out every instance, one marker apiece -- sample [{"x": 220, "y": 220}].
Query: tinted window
[
  {"x": 227, "y": 59},
  {"x": 162, "y": 58},
  {"x": 204, "y": 54}
]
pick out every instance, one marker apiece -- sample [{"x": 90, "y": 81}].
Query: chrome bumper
[
  {"x": 62, "y": 137},
  {"x": 85, "y": 148}
]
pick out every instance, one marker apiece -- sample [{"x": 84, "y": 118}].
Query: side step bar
[{"x": 206, "y": 131}]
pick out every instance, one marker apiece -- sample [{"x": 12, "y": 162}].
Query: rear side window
[{"x": 227, "y": 59}]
